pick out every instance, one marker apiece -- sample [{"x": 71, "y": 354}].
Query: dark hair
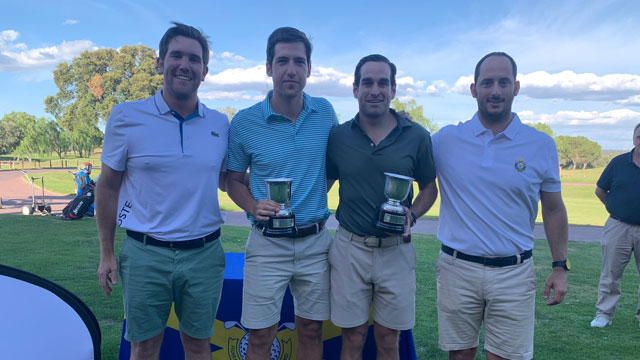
[
  {"x": 287, "y": 35},
  {"x": 636, "y": 128},
  {"x": 497, "y": 53},
  {"x": 180, "y": 29},
  {"x": 374, "y": 58}
]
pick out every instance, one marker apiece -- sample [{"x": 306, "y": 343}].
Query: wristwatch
[
  {"x": 566, "y": 264},
  {"x": 414, "y": 218}
]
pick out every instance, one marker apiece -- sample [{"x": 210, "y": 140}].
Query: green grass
[
  {"x": 69, "y": 254},
  {"x": 589, "y": 176}
]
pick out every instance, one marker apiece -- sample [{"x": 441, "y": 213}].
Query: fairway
[{"x": 68, "y": 253}]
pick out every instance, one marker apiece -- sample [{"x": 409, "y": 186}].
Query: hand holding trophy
[
  {"x": 392, "y": 216},
  {"x": 283, "y": 223}
]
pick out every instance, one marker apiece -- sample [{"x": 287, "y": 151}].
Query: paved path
[{"x": 16, "y": 192}]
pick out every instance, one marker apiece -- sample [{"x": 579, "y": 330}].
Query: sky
[{"x": 578, "y": 61}]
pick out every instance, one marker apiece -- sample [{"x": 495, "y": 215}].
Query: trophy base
[
  {"x": 391, "y": 222},
  {"x": 280, "y": 226}
]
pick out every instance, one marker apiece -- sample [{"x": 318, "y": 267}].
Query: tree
[
  {"x": 229, "y": 111},
  {"x": 416, "y": 112},
  {"x": 577, "y": 150},
  {"x": 10, "y": 132},
  {"x": 93, "y": 83},
  {"x": 543, "y": 127},
  {"x": 59, "y": 139},
  {"x": 34, "y": 140}
]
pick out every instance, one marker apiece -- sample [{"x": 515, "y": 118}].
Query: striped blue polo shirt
[{"x": 272, "y": 146}]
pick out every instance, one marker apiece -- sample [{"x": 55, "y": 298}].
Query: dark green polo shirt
[
  {"x": 621, "y": 178},
  {"x": 359, "y": 165}
]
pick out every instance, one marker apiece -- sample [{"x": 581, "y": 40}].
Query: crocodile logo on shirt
[{"x": 520, "y": 165}]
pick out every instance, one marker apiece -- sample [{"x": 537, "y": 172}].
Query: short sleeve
[
  {"x": 115, "y": 148},
  {"x": 425, "y": 168},
  {"x": 237, "y": 157},
  {"x": 604, "y": 182},
  {"x": 332, "y": 167},
  {"x": 551, "y": 181}
]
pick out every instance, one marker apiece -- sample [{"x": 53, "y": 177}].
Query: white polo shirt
[
  {"x": 171, "y": 167},
  {"x": 490, "y": 185}
]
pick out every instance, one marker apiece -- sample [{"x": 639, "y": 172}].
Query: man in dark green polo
[{"x": 359, "y": 152}]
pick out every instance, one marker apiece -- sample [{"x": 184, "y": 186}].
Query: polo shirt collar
[
  {"x": 164, "y": 108},
  {"x": 510, "y": 132},
  {"x": 308, "y": 105}
]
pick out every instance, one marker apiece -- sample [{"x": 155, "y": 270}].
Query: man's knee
[
  {"x": 194, "y": 346},
  {"x": 263, "y": 337},
  {"x": 386, "y": 339},
  {"x": 466, "y": 354},
  {"x": 309, "y": 330},
  {"x": 355, "y": 337},
  {"x": 147, "y": 349}
]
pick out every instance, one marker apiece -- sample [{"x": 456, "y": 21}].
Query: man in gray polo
[
  {"x": 367, "y": 264},
  {"x": 619, "y": 190},
  {"x": 172, "y": 253}
]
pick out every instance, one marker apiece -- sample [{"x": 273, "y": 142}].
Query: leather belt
[
  {"x": 187, "y": 244},
  {"x": 375, "y": 241},
  {"x": 489, "y": 261},
  {"x": 302, "y": 231}
]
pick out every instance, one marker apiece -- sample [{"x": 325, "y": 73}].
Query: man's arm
[
  {"x": 602, "y": 194},
  {"x": 240, "y": 194},
  {"x": 556, "y": 228},
  {"x": 222, "y": 181},
  {"x": 427, "y": 195},
  {"x": 107, "y": 193}
]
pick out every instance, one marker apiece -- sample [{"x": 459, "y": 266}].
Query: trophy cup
[
  {"x": 392, "y": 216},
  {"x": 283, "y": 224}
]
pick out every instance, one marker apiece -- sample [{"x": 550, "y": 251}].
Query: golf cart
[{"x": 41, "y": 206}]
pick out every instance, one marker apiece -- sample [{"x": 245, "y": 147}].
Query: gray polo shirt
[{"x": 359, "y": 165}]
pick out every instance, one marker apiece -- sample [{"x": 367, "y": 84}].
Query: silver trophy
[
  {"x": 283, "y": 224},
  {"x": 392, "y": 216}
]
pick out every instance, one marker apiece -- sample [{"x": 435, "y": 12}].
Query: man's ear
[
  {"x": 269, "y": 70},
  {"x": 516, "y": 88},
  {"x": 472, "y": 88},
  {"x": 159, "y": 65}
]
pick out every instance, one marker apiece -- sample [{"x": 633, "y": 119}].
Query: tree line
[{"x": 95, "y": 81}]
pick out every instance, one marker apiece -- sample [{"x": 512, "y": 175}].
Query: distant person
[
  {"x": 172, "y": 252},
  {"x": 492, "y": 170},
  {"x": 368, "y": 265},
  {"x": 82, "y": 179},
  {"x": 619, "y": 190},
  {"x": 284, "y": 136}
]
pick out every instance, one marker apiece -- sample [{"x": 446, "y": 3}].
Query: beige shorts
[
  {"x": 501, "y": 297},
  {"x": 273, "y": 263},
  {"x": 361, "y": 275}
]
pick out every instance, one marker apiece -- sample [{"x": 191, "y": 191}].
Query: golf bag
[{"x": 77, "y": 208}]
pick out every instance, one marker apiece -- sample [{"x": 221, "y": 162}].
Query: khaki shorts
[
  {"x": 361, "y": 275},
  {"x": 153, "y": 277},
  {"x": 273, "y": 263},
  {"x": 501, "y": 297}
]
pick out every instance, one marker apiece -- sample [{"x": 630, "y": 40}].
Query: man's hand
[
  {"x": 405, "y": 115},
  {"x": 407, "y": 223},
  {"x": 108, "y": 273},
  {"x": 265, "y": 208},
  {"x": 557, "y": 281}
]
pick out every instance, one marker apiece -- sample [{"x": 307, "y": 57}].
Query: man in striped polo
[{"x": 284, "y": 136}]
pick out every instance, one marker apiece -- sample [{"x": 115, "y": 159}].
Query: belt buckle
[{"x": 377, "y": 243}]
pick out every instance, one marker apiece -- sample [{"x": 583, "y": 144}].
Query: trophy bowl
[
  {"x": 283, "y": 224},
  {"x": 392, "y": 216}
]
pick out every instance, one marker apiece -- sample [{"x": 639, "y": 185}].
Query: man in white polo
[
  {"x": 492, "y": 170},
  {"x": 162, "y": 162}
]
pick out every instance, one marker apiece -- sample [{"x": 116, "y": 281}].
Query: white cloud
[
  {"x": 436, "y": 88},
  {"x": 16, "y": 57},
  {"x": 583, "y": 118},
  {"x": 631, "y": 101},
  {"x": 70, "y": 22},
  {"x": 569, "y": 85},
  {"x": 239, "y": 79},
  {"x": 226, "y": 56}
]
